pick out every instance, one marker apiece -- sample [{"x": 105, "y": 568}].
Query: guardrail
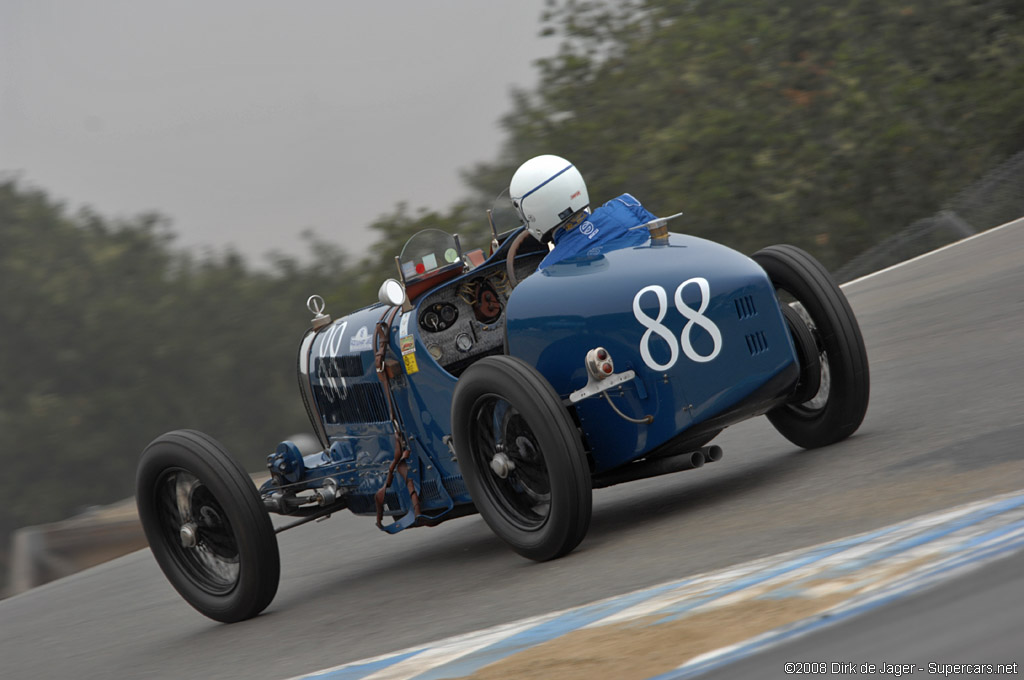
[{"x": 997, "y": 198}]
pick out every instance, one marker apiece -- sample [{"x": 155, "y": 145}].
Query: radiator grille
[
  {"x": 350, "y": 366},
  {"x": 352, "y": 403}
]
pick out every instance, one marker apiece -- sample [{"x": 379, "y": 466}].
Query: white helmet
[{"x": 546, "y": 191}]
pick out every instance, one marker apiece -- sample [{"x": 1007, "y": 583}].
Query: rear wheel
[
  {"x": 207, "y": 527},
  {"x": 838, "y": 405},
  {"x": 521, "y": 457}
]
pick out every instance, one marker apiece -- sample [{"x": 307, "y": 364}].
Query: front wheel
[
  {"x": 207, "y": 527},
  {"x": 521, "y": 456},
  {"x": 839, "y": 403}
]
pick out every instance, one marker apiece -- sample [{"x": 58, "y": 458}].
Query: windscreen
[{"x": 429, "y": 252}]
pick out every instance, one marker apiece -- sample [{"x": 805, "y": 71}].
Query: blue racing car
[{"x": 481, "y": 383}]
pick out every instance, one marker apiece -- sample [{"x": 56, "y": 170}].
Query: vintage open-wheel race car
[{"x": 480, "y": 384}]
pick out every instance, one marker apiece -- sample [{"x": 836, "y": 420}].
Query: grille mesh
[{"x": 354, "y": 403}]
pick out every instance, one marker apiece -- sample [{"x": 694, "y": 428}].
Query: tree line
[{"x": 829, "y": 125}]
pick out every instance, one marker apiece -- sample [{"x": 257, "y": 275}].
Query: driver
[{"x": 551, "y": 198}]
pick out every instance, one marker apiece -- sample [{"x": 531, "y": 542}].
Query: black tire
[
  {"x": 189, "y": 490},
  {"x": 837, "y": 409},
  {"x": 542, "y": 505}
]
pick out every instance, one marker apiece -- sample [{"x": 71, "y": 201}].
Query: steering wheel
[{"x": 510, "y": 260}]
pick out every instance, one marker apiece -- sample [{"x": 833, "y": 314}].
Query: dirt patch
[
  {"x": 646, "y": 646},
  {"x": 641, "y": 648}
]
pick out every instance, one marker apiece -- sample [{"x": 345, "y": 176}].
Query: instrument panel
[
  {"x": 438, "y": 317},
  {"x": 464, "y": 321}
]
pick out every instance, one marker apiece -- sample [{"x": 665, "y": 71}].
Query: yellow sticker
[{"x": 410, "y": 364}]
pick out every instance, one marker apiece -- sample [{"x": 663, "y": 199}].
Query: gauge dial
[
  {"x": 464, "y": 342},
  {"x": 435, "y": 351},
  {"x": 438, "y": 317}
]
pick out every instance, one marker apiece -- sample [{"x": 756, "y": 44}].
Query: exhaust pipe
[
  {"x": 696, "y": 461},
  {"x": 658, "y": 466}
]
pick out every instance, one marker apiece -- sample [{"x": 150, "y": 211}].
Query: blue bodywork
[
  {"x": 697, "y": 322},
  {"x": 559, "y": 313}
]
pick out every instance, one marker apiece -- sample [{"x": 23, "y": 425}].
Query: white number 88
[{"x": 693, "y": 317}]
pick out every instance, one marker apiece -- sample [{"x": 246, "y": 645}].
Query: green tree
[
  {"x": 825, "y": 124},
  {"x": 109, "y": 337}
]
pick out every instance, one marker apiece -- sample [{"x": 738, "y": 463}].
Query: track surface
[
  {"x": 945, "y": 424},
  {"x": 974, "y": 620}
]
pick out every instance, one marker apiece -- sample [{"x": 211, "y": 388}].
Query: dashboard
[{"x": 464, "y": 321}]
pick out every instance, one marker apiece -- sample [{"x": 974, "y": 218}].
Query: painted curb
[{"x": 867, "y": 570}]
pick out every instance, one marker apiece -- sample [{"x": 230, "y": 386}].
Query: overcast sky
[{"x": 246, "y": 121}]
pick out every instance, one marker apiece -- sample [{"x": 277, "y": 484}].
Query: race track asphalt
[
  {"x": 944, "y": 427},
  {"x": 969, "y": 624}
]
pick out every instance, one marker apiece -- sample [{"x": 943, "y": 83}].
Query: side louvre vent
[
  {"x": 453, "y": 486},
  {"x": 745, "y": 307},
  {"x": 757, "y": 343},
  {"x": 456, "y": 486},
  {"x": 428, "y": 490}
]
